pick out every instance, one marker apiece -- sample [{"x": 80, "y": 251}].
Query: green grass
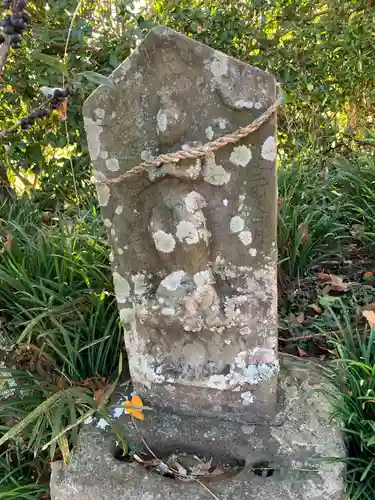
[
  {"x": 352, "y": 376},
  {"x": 56, "y": 294}
]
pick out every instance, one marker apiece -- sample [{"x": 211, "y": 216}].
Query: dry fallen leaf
[
  {"x": 63, "y": 108},
  {"x": 323, "y": 277},
  {"x": 315, "y": 308},
  {"x": 8, "y": 244},
  {"x": 303, "y": 232},
  {"x": 177, "y": 467},
  {"x": 334, "y": 282},
  {"x": 370, "y": 316}
]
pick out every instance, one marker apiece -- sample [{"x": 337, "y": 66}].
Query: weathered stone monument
[{"x": 184, "y": 151}]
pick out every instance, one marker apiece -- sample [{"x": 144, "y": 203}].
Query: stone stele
[{"x": 193, "y": 243}]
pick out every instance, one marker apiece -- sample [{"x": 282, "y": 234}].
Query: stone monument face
[{"x": 193, "y": 242}]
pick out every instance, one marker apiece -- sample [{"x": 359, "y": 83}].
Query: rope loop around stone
[{"x": 193, "y": 153}]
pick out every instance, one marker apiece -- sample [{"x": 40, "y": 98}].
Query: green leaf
[
  {"x": 54, "y": 62},
  {"x": 327, "y": 300},
  {"x": 97, "y": 78}
]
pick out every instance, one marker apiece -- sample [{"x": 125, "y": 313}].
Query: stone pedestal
[{"x": 296, "y": 446}]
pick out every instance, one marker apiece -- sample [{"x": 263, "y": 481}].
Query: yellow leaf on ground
[
  {"x": 134, "y": 407},
  {"x": 370, "y": 316}
]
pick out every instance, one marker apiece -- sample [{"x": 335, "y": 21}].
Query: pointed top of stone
[{"x": 164, "y": 95}]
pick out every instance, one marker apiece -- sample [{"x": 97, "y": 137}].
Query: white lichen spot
[
  {"x": 119, "y": 210},
  {"x": 209, "y": 132},
  {"x": 194, "y": 170},
  {"x": 103, "y": 194},
  {"x": 104, "y": 154},
  {"x": 269, "y": 149},
  {"x": 164, "y": 242},
  {"x": 122, "y": 287},
  {"x": 225, "y": 202},
  {"x": 253, "y": 252},
  {"x": 112, "y": 164},
  {"x": 245, "y": 237},
  {"x": 236, "y": 224},
  {"x": 168, "y": 311},
  {"x": 113, "y": 232},
  {"x": 194, "y": 201},
  {"x": 102, "y": 424},
  {"x": 120, "y": 251},
  {"x": 113, "y": 115},
  {"x": 203, "y": 278},
  {"x": 245, "y": 330},
  {"x": 187, "y": 232},
  {"x": 241, "y": 104},
  {"x": 219, "y": 65},
  {"x": 222, "y": 123},
  {"x": 117, "y": 412},
  {"x": 88, "y": 420},
  {"x": 107, "y": 223},
  {"x": 173, "y": 281},
  {"x": 257, "y": 105},
  {"x": 214, "y": 174},
  {"x": 146, "y": 155},
  {"x": 93, "y": 131},
  {"x": 240, "y": 156},
  {"x": 162, "y": 120},
  {"x": 247, "y": 398},
  {"x": 100, "y": 113},
  {"x": 127, "y": 315},
  {"x": 111, "y": 257},
  {"x": 140, "y": 286},
  {"x": 261, "y": 371}
]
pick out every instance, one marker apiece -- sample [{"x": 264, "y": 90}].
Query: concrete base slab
[{"x": 296, "y": 447}]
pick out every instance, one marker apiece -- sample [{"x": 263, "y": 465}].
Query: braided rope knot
[{"x": 198, "y": 152}]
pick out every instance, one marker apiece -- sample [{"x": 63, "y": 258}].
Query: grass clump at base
[{"x": 60, "y": 313}]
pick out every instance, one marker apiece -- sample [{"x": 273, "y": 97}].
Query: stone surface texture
[
  {"x": 193, "y": 243},
  {"x": 295, "y": 446}
]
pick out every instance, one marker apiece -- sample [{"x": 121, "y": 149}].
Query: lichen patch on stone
[
  {"x": 247, "y": 398},
  {"x": 162, "y": 120},
  {"x": 112, "y": 164},
  {"x": 93, "y": 131},
  {"x": 173, "y": 281},
  {"x": 164, "y": 241},
  {"x": 187, "y": 232},
  {"x": 119, "y": 210},
  {"x": 269, "y": 149},
  {"x": 245, "y": 237},
  {"x": 140, "y": 285},
  {"x": 203, "y": 278},
  {"x": 103, "y": 194},
  {"x": 122, "y": 288},
  {"x": 241, "y": 104},
  {"x": 209, "y": 132},
  {"x": 194, "y": 201},
  {"x": 236, "y": 224},
  {"x": 240, "y": 156},
  {"x": 214, "y": 174}
]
